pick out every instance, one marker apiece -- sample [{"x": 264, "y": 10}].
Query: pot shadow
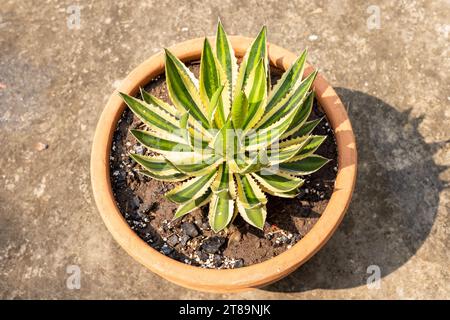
[{"x": 394, "y": 205}]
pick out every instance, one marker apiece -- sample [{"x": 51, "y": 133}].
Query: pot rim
[{"x": 222, "y": 280}]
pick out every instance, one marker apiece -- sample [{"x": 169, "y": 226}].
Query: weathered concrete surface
[{"x": 394, "y": 80}]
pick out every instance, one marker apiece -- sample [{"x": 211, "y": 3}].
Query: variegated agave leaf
[{"x": 228, "y": 138}]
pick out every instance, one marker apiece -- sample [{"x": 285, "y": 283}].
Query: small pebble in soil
[
  {"x": 138, "y": 149},
  {"x": 217, "y": 260},
  {"x": 213, "y": 244},
  {"x": 40, "y": 146},
  {"x": 202, "y": 255},
  {"x": 184, "y": 239},
  {"x": 234, "y": 238},
  {"x": 135, "y": 202},
  {"x": 172, "y": 240},
  {"x": 239, "y": 263},
  {"x": 189, "y": 229},
  {"x": 165, "y": 249},
  {"x": 145, "y": 207}
]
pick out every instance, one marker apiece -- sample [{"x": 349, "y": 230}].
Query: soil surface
[{"x": 190, "y": 239}]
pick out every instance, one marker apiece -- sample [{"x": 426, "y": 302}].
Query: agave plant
[{"x": 229, "y": 136}]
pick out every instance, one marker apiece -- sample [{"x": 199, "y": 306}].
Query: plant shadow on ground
[{"x": 394, "y": 205}]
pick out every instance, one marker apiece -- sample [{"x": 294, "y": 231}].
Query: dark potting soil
[{"x": 190, "y": 239}]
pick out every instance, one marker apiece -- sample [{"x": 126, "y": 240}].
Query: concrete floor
[{"x": 54, "y": 83}]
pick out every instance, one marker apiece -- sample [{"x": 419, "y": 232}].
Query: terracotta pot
[{"x": 232, "y": 279}]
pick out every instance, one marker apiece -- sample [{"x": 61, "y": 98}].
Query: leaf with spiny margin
[
  {"x": 191, "y": 137},
  {"x": 184, "y": 128},
  {"x": 195, "y": 164},
  {"x": 289, "y": 194},
  {"x": 183, "y": 89},
  {"x": 227, "y": 59},
  {"x": 309, "y": 148},
  {"x": 277, "y": 182},
  {"x": 295, "y": 97},
  {"x": 285, "y": 153},
  {"x": 226, "y": 141},
  {"x": 212, "y": 77},
  {"x": 191, "y": 189},
  {"x": 245, "y": 166},
  {"x": 184, "y": 120},
  {"x": 158, "y": 168},
  {"x": 157, "y": 119},
  {"x": 267, "y": 136},
  {"x": 221, "y": 208},
  {"x": 193, "y": 204},
  {"x": 256, "y": 92},
  {"x": 293, "y": 141},
  {"x": 214, "y": 105},
  {"x": 251, "y": 201},
  {"x": 209, "y": 79},
  {"x": 256, "y": 52},
  {"x": 307, "y": 128},
  {"x": 290, "y": 81},
  {"x": 303, "y": 167},
  {"x": 150, "y": 99},
  {"x": 301, "y": 116},
  {"x": 155, "y": 164},
  {"x": 160, "y": 145},
  {"x": 245, "y": 162},
  {"x": 239, "y": 110},
  {"x": 171, "y": 177}
]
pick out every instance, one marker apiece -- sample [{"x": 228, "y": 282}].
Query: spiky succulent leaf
[
  {"x": 194, "y": 164},
  {"x": 221, "y": 209},
  {"x": 290, "y": 81},
  {"x": 251, "y": 201},
  {"x": 200, "y": 132},
  {"x": 151, "y": 99},
  {"x": 209, "y": 79},
  {"x": 239, "y": 110},
  {"x": 183, "y": 89},
  {"x": 301, "y": 116},
  {"x": 256, "y": 91},
  {"x": 277, "y": 182},
  {"x": 193, "y": 204},
  {"x": 155, "y": 143},
  {"x": 213, "y": 105},
  {"x": 258, "y": 139},
  {"x": 227, "y": 136},
  {"x": 168, "y": 178},
  {"x": 226, "y": 58},
  {"x": 256, "y": 52},
  {"x": 292, "y": 100},
  {"x": 305, "y": 166},
  {"x": 212, "y": 82},
  {"x": 312, "y": 144},
  {"x": 285, "y": 153},
  {"x": 191, "y": 189},
  {"x": 155, "y": 164},
  {"x": 160, "y": 121},
  {"x": 307, "y": 127}
]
